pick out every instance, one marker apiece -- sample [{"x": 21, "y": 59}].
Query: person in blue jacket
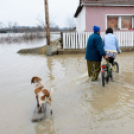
[{"x": 94, "y": 53}]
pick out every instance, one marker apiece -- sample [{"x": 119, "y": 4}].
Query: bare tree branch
[
  {"x": 1, "y": 25},
  {"x": 40, "y": 20},
  {"x": 70, "y": 22},
  {"x": 42, "y": 23},
  {"x": 9, "y": 24}
]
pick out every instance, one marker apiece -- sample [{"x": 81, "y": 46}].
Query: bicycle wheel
[
  {"x": 116, "y": 67},
  {"x": 107, "y": 77},
  {"x": 103, "y": 78}
]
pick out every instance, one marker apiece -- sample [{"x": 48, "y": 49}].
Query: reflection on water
[
  {"x": 19, "y": 38},
  {"x": 79, "y": 106}
]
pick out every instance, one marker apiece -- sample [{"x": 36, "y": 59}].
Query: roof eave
[
  {"x": 78, "y": 11},
  {"x": 103, "y": 4}
]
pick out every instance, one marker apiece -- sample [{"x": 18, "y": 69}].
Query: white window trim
[
  {"x": 120, "y": 15},
  {"x": 119, "y": 22}
]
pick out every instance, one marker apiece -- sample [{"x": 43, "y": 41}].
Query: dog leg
[
  {"x": 37, "y": 101},
  {"x": 51, "y": 109},
  {"x": 40, "y": 110},
  {"x": 50, "y": 106}
]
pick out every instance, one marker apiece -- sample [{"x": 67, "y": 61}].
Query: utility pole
[{"x": 48, "y": 47}]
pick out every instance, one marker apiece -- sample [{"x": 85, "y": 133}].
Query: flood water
[{"x": 79, "y": 106}]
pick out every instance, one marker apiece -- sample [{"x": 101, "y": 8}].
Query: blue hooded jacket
[{"x": 94, "y": 50}]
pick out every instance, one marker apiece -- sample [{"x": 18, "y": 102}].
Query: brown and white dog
[{"x": 42, "y": 95}]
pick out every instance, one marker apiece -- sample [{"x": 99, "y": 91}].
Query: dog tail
[{"x": 51, "y": 92}]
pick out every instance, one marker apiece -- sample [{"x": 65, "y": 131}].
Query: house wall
[
  {"x": 96, "y": 15},
  {"x": 81, "y": 21}
]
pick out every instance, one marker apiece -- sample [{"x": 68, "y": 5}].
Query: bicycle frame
[{"x": 106, "y": 68}]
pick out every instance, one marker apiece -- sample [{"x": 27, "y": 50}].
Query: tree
[
  {"x": 9, "y": 24},
  {"x": 42, "y": 23},
  {"x": 70, "y": 22},
  {"x": 15, "y": 27},
  {"x": 1, "y": 25}
]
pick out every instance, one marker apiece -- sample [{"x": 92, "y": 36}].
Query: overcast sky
[{"x": 25, "y": 11}]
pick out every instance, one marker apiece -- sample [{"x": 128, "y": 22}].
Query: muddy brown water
[{"x": 79, "y": 106}]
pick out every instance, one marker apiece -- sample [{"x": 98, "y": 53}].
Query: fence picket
[
  {"x": 63, "y": 41},
  {"x": 132, "y": 39},
  {"x": 76, "y": 41},
  {"x": 119, "y": 39}
]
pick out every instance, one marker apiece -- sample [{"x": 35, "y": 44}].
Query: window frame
[{"x": 119, "y": 19}]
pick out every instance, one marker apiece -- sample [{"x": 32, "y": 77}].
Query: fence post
[
  {"x": 61, "y": 34},
  {"x": 83, "y": 40},
  {"x": 133, "y": 39},
  {"x": 63, "y": 41},
  {"x": 119, "y": 39},
  {"x": 72, "y": 37},
  {"x": 69, "y": 39},
  {"x": 86, "y": 37},
  {"x": 76, "y": 41},
  {"x": 80, "y": 36},
  {"x": 122, "y": 39},
  {"x": 126, "y": 39}
]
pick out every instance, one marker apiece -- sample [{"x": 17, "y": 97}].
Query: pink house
[{"x": 118, "y": 14}]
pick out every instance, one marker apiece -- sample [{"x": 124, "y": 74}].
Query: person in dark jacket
[{"x": 94, "y": 53}]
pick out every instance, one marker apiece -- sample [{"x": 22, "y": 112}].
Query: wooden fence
[{"x": 75, "y": 40}]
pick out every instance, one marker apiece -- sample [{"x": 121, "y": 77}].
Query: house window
[
  {"x": 112, "y": 22},
  {"x": 120, "y": 22},
  {"x": 126, "y": 22}
]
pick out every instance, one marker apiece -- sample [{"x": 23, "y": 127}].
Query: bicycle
[{"x": 107, "y": 71}]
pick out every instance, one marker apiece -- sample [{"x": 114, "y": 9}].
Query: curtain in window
[
  {"x": 112, "y": 22},
  {"x": 126, "y": 22}
]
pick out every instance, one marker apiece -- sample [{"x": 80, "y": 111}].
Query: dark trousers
[
  {"x": 94, "y": 69},
  {"x": 111, "y": 60}
]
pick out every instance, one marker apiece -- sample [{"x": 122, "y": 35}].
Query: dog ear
[{"x": 33, "y": 79}]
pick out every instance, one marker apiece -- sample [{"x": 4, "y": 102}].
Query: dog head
[{"x": 35, "y": 79}]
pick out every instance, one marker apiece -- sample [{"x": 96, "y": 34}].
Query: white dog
[{"x": 42, "y": 95}]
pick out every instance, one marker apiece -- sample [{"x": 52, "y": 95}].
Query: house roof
[{"x": 102, "y": 3}]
